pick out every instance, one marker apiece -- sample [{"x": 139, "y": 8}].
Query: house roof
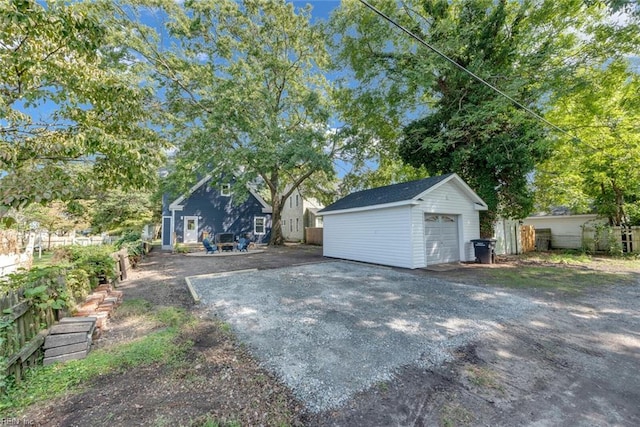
[
  {"x": 177, "y": 204},
  {"x": 398, "y": 194}
]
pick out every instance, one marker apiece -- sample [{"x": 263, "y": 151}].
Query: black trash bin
[{"x": 484, "y": 250}]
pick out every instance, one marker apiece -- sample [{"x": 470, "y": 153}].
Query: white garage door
[{"x": 441, "y": 238}]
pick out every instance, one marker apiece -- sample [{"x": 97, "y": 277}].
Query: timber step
[
  {"x": 69, "y": 340},
  {"x": 72, "y": 337}
]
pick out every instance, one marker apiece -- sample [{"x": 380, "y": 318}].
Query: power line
[{"x": 471, "y": 73}]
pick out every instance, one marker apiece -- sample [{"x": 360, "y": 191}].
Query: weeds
[
  {"x": 160, "y": 347},
  {"x": 483, "y": 377}
]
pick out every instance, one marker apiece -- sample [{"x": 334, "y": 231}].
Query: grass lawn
[
  {"x": 565, "y": 272},
  {"x": 44, "y": 260}
]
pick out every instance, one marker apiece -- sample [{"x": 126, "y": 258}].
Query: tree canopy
[
  {"x": 246, "y": 94},
  {"x": 449, "y": 120},
  {"x": 74, "y": 114},
  {"x": 596, "y": 167}
]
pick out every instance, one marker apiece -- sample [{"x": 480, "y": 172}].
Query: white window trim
[
  {"x": 264, "y": 225},
  {"x": 225, "y": 190}
]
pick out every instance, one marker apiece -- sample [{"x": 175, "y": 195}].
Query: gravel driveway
[{"x": 330, "y": 330}]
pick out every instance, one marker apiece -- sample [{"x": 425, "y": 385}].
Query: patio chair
[
  {"x": 208, "y": 246},
  {"x": 243, "y": 244}
]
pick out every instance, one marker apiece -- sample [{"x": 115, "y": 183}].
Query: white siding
[
  {"x": 451, "y": 199},
  {"x": 380, "y": 236},
  {"x": 395, "y": 236},
  {"x": 293, "y": 214},
  {"x": 566, "y": 230}
]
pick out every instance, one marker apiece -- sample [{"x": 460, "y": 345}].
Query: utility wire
[{"x": 471, "y": 73}]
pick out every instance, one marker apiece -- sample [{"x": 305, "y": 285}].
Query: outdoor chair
[
  {"x": 208, "y": 246},
  {"x": 243, "y": 244}
]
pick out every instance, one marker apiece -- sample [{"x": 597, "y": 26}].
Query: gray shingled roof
[{"x": 387, "y": 194}]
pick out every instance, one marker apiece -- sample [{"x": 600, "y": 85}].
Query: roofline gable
[
  {"x": 465, "y": 187},
  {"x": 176, "y": 204},
  {"x": 408, "y": 199}
]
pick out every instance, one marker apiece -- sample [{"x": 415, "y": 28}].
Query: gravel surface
[{"x": 333, "y": 329}]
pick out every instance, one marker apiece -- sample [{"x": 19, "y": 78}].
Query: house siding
[
  {"x": 380, "y": 236},
  {"x": 451, "y": 199},
  {"x": 395, "y": 235},
  {"x": 566, "y": 230},
  {"x": 219, "y": 214},
  {"x": 295, "y": 216}
]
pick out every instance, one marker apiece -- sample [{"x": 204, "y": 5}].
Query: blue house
[{"x": 208, "y": 208}]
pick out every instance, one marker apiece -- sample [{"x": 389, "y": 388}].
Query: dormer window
[{"x": 225, "y": 190}]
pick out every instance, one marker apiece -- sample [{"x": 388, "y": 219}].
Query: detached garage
[{"x": 412, "y": 225}]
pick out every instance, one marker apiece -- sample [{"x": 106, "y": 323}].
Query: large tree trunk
[{"x": 276, "y": 221}]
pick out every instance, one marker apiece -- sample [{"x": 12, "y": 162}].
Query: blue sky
[{"x": 321, "y": 8}]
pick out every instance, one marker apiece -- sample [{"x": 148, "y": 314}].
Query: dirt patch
[{"x": 572, "y": 363}]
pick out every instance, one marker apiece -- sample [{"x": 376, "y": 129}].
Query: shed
[{"x": 412, "y": 225}]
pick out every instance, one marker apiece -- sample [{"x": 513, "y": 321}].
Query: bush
[
  {"x": 132, "y": 242},
  {"x": 44, "y": 287},
  {"x": 95, "y": 260},
  {"x": 78, "y": 285}
]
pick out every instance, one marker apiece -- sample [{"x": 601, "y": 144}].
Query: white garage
[{"x": 412, "y": 225}]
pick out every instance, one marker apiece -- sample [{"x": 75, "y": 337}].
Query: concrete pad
[
  {"x": 218, "y": 254},
  {"x": 330, "y": 330}
]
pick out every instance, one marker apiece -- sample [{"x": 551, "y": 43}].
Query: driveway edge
[{"x": 192, "y": 290}]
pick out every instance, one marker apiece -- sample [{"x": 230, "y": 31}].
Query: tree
[
  {"x": 74, "y": 115},
  {"x": 598, "y": 167},
  {"x": 118, "y": 211},
  {"x": 450, "y": 121},
  {"x": 245, "y": 88},
  {"x": 55, "y": 218}
]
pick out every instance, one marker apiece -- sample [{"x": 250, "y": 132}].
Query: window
[
  {"x": 297, "y": 224},
  {"x": 290, "y": 201},
  {"x": 290, "y": 225},
  {"x": 284, "y": 223},
  {"x": 259, "y": 224},
  {"x": 225, "y": 190},
  {"x": 297, "y": 199}
]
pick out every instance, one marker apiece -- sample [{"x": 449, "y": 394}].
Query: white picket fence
[{"x": 14, "y": 260}]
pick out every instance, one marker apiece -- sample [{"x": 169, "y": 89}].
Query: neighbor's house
[
  {"x": 567, "y": 231},
  {"x": 412, "y": 225},
  {"x": 209, "y": 208},
  {"x": 299, "y": 212}
]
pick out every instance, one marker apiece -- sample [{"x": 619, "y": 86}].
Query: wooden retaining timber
[
  {"x": 72, "y": 338},
  {"x": 69, "y": 340},
  {"x": 24, "y": 328}
]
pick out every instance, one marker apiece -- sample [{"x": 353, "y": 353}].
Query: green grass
[
  {"x": 483, "y": 377},
  {"x": 47, "y": 382},
  {"x": 568, "y": 280},
  {"x": 43, "y": 261}
]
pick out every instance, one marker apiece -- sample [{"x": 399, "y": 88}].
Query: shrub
[
  {"x": 78, "y": 285},
  {"x": 132, "y": 242},
  {"x": 95, "y": 260}
]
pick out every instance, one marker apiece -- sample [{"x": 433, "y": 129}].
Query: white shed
[{"x": 412, "y": 225}]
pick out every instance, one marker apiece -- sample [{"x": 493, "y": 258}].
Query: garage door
[{"x": 441, "y": 238}]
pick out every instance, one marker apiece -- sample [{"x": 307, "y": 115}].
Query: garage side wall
[
  {"x": 380, "y": 236},
  {"x": 448, "y": 199}
]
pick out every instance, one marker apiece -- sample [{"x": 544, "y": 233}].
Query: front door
[{"x": 190, "y": 229}]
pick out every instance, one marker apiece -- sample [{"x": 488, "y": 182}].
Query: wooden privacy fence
[
  {"x": 313, "y": 235},
  {"x": 528, "y": 238},
  {"x": 23, "y": 328}
]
